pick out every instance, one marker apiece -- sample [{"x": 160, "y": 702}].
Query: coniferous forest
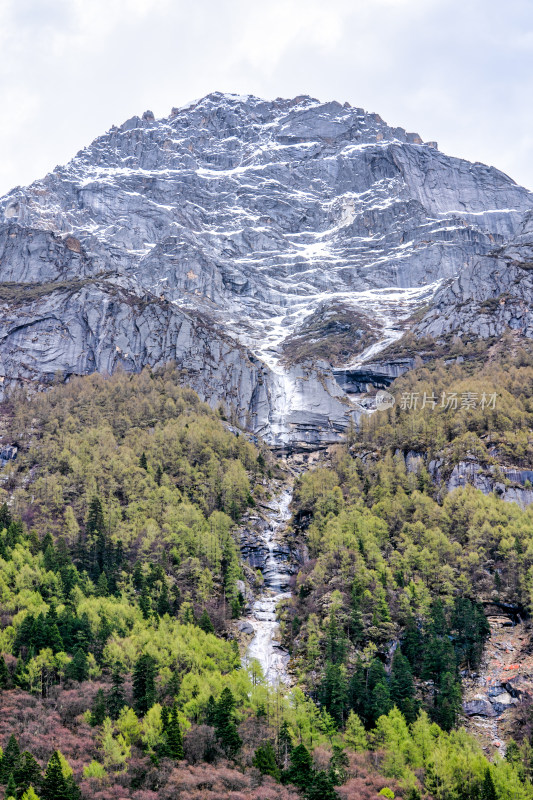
[{"x": 121, "y": 587}]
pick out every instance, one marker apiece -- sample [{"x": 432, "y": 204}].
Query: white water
[{"x": 264, "y": 646}]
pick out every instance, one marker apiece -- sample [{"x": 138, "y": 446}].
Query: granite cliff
[{"x": 272, "y": 249}]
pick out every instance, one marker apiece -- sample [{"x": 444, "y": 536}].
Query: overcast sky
[{"x": 458, "y": 71}]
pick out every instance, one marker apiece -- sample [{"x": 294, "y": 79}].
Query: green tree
[
  {"x": 78, "y": 669},
  {"x": 116, "y": 699},
  {"x": 98, "y": 708},
  {"x": 27, "y": 773},
  {"x": 224, "y": 721},
  {"x": 174, "y": 739},
  {"x": 265, "y": 761},
  {"x": 488, "y": 790},
  {"x": 11, "y": 787},
  {"x": 205, "y": 622},
  {"x": 4, "y": 673},
  {"x": 143, "y": 462},
  {"x": 10, "y": 760},
  {"x": 144, "y": 683},
  {"x": 402, "y": 688},
  {"x": 56, "y": 784},
  {"x": 300, "y": 772},
  {"x": 321, "y": 787}
]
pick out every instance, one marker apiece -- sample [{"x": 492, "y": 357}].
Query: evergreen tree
[
  {"x": 173, "y": 735},
  {"x": 333, "y": 692},
  {"x": 265, "y": 761},
  {"x": 4, "y": 673},
  {"x": 205, "y": 622},
  {"x": 225, "y": 727},
  {"x": 56, "y": 785},
  {"x": 143, "y": 462},
  {"x": 163, "y": 604},
  {"x": 10, "y": 760},
  {"x": 144, "y": 683},
  {"x": 488, "y": 790},
  {"x": 98, "y": 709},
  {"x": 27, "y": 773},
  {"x": 95, "y": 518},
  {"x": 138, "y": 576},
  {"x": 158, "y": 474},
  {"x": 78, "y": 669},
  {"x": 11, "y": 787},
  {"x": 5, "y": 517},
  {"x": 102, "y": 587},
  {"x": 145, "y": 603},
  {"x": 211, "y": 711},
  {"x": 284, "y": 744},
  {"x": 337, "y": 766},
  {"x": 402, "y": 688},
  {"x": 116, "y": 699},
  {"x": 412, "y": 646},
  {"x": 447, "y": 703},
  {"x": 321, "y": 787},
  {"x": 380, "y": 701},
  {"x": 300, "y": 772}
]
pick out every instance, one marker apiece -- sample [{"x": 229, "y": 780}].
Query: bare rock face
[{"x": 235, "y": 225}]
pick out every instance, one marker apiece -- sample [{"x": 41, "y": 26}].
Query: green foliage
[
  {"x": 58, "y": 783},
  {"x": 224, "y": 723},
  {"x": 265, "y": 760},
  {"x": 144, "y": 683}
]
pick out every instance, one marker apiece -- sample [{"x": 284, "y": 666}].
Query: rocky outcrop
[{"x": 214, "y": 235}]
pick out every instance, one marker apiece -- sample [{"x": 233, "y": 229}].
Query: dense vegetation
[{"x": 120, "y": 671}]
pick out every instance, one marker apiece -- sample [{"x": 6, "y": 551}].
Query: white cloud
[{"x": 459, "y": 72}]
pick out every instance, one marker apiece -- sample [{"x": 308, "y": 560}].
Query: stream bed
[{"x": 264, "y": 551}]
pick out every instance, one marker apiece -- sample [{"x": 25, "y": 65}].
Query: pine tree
[
  {"x": 321, "y": 787},
  {"x": 138, "y": 576},
  {"x": 10, "y": 760},
  {"x": 78, "y": 669},
  {"x": 380, "y": 702},
  {"x": 333, "y": 692},
  {"x": 27, "y": 773},
  {"x": 116, "y": 699},
  {"x": 102, "y": 587},
  {"x": 225, "y": 727},
  {"x": 144, "y": 683},
  {"x": 5, "y": 517},
  {"x": 284, "y": 744},
  {"x": 145, "y": 603},
  {"x": 337, "y": 765},
  {"x": 4, "y": 673},
  {"x": 143, "y": 461},
  {"x": 265, "y": 761},
  {"x": 300, "y": 771},
  {"x": 11, "y": 787},
  {"x": 163, "y": 605},
  {"x": 205, "y": 622},
  {"x": 174, "y": 737},
  {"x": 158, "y": 474},
  {"x": 56, "y": 785},
  {"x": 488, "y": 790},
  {"x": 98, "y": 709},
  {"x": 402, "y": 688}
]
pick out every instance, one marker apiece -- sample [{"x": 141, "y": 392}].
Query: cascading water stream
[{"x": 276, "y": 572}]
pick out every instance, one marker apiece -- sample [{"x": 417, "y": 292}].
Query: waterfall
[{"x": 276, "y": 572}]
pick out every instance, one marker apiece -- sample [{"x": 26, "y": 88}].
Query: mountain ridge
[{"x": 247, "y": 219}]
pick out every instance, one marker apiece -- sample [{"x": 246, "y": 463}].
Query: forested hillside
[{"x": 120, "y": 583}]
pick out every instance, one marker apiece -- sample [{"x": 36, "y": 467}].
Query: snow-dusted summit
[{"x": 260, "y": 244}]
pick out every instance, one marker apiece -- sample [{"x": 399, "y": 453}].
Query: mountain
[{"x": 271, "y": 248}]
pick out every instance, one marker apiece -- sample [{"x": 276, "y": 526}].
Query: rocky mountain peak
[{"x": 272, "y": 248}]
